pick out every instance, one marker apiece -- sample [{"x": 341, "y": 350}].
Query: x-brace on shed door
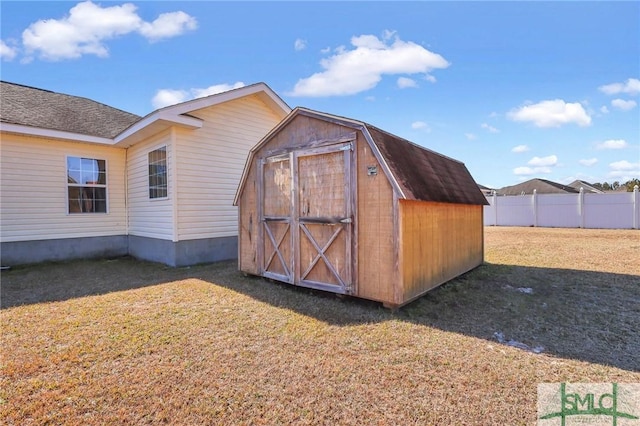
[{"x": 307, "y": 217}]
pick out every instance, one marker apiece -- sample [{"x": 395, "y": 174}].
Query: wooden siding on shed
[
  {"x": 152, "y": 218},
  {"x": 375, "y": 232},
  {"x": 438, "y": 241},
  {"x": 33, "y": 187},
  {"x": 210, "y": 163},
  {"x": 248, "y": 225}
]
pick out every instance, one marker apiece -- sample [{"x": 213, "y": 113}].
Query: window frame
[
  {"x": 104, "y": 186},
  {"x": 156, "y": 187}
]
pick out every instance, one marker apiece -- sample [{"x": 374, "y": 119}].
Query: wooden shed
[{"x": 339, "y": 205}]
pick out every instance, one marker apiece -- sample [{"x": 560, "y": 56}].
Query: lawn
[{"x": 128, "y": 342}]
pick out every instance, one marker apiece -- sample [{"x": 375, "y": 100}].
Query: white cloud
[
  {"x": 489, "y": 128},
  {"x": 588, "y": 162},
  {"x": 88, "y": 26},
  {"x": 624, "y": 165},
  {"x": 325, "y": 50},
  {"x": 528, "y": 171},
  {"x": 7, "y": 53},
  {"x": 348, "y": 72},
  {"x": 537, "y": 165},
  {"x": 612, "y": 144},
  {"x": 217, "y": 88},
  {"x": 166, "y": 97},
  {"x": 631, "y": 87},
  {"x": 405, "y": 82},
  {"x": 604, "y": 109},
  {"x": 420, "y": 125},
  {"x": 552, "y": 113},
  {"x": 300, "y": 44},
  {"x": 623, "y": 105},
  {"x": 168, "y": 25},
  {"x": 551, "y": 160},
  {"x": 520, "y": 148},
  {"x": 624, "y": 170},
  {"x": 470, "y": 136},
  {"x": 430, "y": 78}
]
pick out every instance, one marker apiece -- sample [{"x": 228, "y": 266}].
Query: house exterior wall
[
  {"x": 438, "y": 241},
  {"x": 33, "y": 187},
  {"x": 61, "y": 249},
  {"x": 210, "y": 162},
  {"x": 35, "y": 225},
  {"x": 150, "y": 218}
]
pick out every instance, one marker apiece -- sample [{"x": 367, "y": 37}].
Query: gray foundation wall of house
[
  {"x": 181, "y": 253},
  {"x": 23, "y": 252}
]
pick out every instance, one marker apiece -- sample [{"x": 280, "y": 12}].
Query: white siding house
[{"x": 82, "y": 179}]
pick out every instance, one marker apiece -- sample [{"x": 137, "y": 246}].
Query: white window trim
[
  {"x": 166, "y": 150},
  {"x": 67, "y": 184}
]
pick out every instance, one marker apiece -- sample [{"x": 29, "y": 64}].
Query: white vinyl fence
[{"x": 620, "y": 210}]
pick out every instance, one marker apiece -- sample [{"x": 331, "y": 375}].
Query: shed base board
[
  {"x": 183, "y": 253},
  {"x": 24, "y": 252},
  {"x": 389, "y": 304}
]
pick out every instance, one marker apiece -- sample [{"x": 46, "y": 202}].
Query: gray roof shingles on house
[
  {"x": 586, "y": 186},
  {"x": 542, "y": 186},
  {"x": 28, "y": 106}
]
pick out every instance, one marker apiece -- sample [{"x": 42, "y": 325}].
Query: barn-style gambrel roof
[
  {"x": 415, "y": 172},
  {"x": 426, "y": 175}
]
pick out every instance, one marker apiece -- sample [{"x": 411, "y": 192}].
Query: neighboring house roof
[
  {"x": 415, "y": 172},
  {"x": 542, "y": 186},
  {"x": 577, "y": 184},
  {"x": 485, "y": 189},
  {"x": 29, "y": 106},
  {"x": 37, "y": 112}
]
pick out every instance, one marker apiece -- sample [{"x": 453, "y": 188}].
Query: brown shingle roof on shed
[
  {"x": 426, "y": 175},
  {"x": 28, "y": 106}
]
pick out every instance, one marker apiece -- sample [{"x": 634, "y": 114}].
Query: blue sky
[{"x": 515, "y": 90}]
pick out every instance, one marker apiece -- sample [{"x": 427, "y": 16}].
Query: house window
[
  {"x": 86, "y": 185},
  {"x": 158, "y": 173}
]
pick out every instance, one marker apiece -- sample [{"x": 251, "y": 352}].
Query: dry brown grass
[{"x": 123, "y": 341}]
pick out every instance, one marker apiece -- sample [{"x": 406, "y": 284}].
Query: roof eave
[
  {"x": 53, "y": 134},
  {"x": 153, "y": 124},
  {"x": 258, "y": 88},
  {"x": 163, "y": 118}
]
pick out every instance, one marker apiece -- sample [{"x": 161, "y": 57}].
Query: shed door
[
  {"x": 306, "y": 216},
  {"x": 323, "y": 216},
  {"x": 277, "y": 232}
]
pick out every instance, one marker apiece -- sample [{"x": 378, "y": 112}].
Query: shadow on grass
[
  {"x": 584, "y": 315},
  {"x": 60, "y": 281}
]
